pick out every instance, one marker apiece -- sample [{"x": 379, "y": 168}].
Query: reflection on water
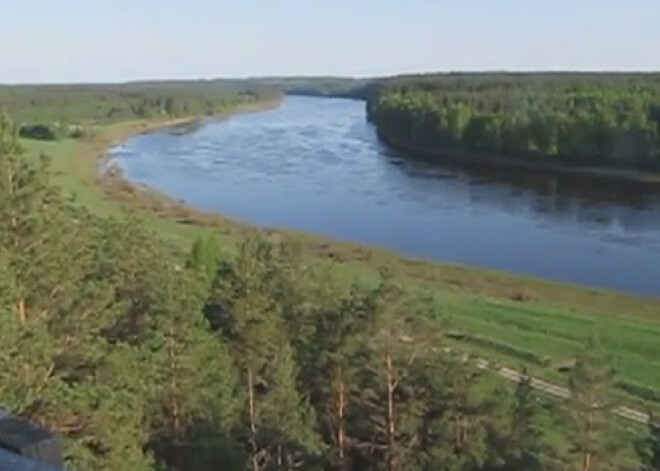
[
  {"x": 315, "y": 165},
  {"x": 593, "y": 203}
]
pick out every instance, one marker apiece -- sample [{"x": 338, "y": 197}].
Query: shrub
[
  {"x": 77, "y": 132},
  {"x": 38, "y": 131}
]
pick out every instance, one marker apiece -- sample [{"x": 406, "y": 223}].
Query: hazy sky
[{"x": 103, "y": 40}]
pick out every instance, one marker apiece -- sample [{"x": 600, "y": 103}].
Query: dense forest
[
  {"x": 340, "y": 87},
  {"x": 146, "y": 358},
  {"x": 579, "y": 119},
  {"x": 53, "y": 111}
]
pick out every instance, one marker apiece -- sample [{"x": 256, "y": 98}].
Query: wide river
[{"x": 315, "y": 165}]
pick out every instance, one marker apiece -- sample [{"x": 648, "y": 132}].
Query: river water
[{"x": 315, "y": 164}]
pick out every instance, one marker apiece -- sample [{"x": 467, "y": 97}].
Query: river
[{"x": 315, "y": 164}]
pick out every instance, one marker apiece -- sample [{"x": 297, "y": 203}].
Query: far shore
[
  {"x": 532, "y": 164},
  {"x": 147, "y": 127}
]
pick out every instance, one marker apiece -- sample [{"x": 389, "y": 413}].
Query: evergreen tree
[
  {"x": 31, "y": 234},
  {"x": 334, "y": 369},
  {"x": 192, "y": 380},
  {"x": 299, "y": 295},
  {"x": 591, "y": 407},
  {"x": 278, "y": 422},
  {"x": 390, "y": 397},
  {"x": 55, "y": 348},
  {"x": 649, "y": 448},
  {"x": 205, "y": 255},
  {"x": 458, "y": 430},
  {"x": 520, "y": 441}
]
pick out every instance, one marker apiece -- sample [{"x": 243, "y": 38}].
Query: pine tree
[
  {"x": 298, "y": 296},
  {"x": 32, "y": 232},
  {"x": 288, "y": 420},
  {"x": 55, "y": 348},
  {"x": 205, "y": 255},
  {"x": 334, "y": 368},
  {"x": 458, "y": 438},
  {"x": 590, "y": 383},
  {"x": 649, "y": 448},
  {"x": 522, "y": 444},
  {"x": 393, "y": 347},
  {"x": 278, "y": 425},
  {"x": 192, "y": 380}
]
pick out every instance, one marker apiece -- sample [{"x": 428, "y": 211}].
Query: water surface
[{"x": 315, "y": 164}]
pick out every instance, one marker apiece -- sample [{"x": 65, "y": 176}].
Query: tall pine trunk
[
  {"x": 20, "y": 305},
  {"x": 341, "y": 432},
  {"x": 390, "y": 413},
  {"x": 586, "y": 460},
  {"x": 174, "y": 403},
  {"x": 253, "y": 425},
  {"x": 21, "y": 311}
]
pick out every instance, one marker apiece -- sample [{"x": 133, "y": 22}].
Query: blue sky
[{"x": 103, "y": 40}]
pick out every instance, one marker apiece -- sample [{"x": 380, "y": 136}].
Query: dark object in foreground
[{"x": 25, "y": 446}]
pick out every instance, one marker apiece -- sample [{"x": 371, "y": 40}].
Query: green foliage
[
  {"x": 38, "y": 131},
  {"x": 649, "y": 447},
  {"x": 315, "y": 86},
  {"x": 523, "y": 443},
  {"x": 143, "y": 358},
  {"x": 458, "y": 416},
  {"x": 57, "y": 308},
  {"x": 590, "y": 382},
  {"x": 571, "y": 118},
  {"x": 49, "y": 112},
  {"x": 392, "y": 350},
  {"x": 279, "y": 423},
  {"x": 205, "y": 255}
]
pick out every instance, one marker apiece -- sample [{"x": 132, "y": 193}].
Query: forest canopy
[
  {"x": 581, "y": 119},
  {"x": 53, "y": 111}
]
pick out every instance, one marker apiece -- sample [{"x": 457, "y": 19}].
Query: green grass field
[{"x": 543, "y": 330}]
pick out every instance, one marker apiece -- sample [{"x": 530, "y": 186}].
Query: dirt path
[{"x": 559, "y": 391}]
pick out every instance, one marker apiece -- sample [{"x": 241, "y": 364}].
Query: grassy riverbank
[{"x": 508, "y": 318}]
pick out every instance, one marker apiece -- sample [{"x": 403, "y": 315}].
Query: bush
[
  {"x": 77, "y": 132},
  {"x": 38, "y": 131}
]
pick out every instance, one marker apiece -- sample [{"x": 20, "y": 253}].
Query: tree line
[
  {"x": 146, "y": 358},
  {"x": 336, "y": 87},
  {"x": 55, "y": 111},
  {"x": 584, "y": 119}
]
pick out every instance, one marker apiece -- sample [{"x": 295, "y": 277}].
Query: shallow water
[{"x": 315, "y": 164}]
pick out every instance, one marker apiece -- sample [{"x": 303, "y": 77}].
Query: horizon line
[{"x": 243, "y": 78}]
